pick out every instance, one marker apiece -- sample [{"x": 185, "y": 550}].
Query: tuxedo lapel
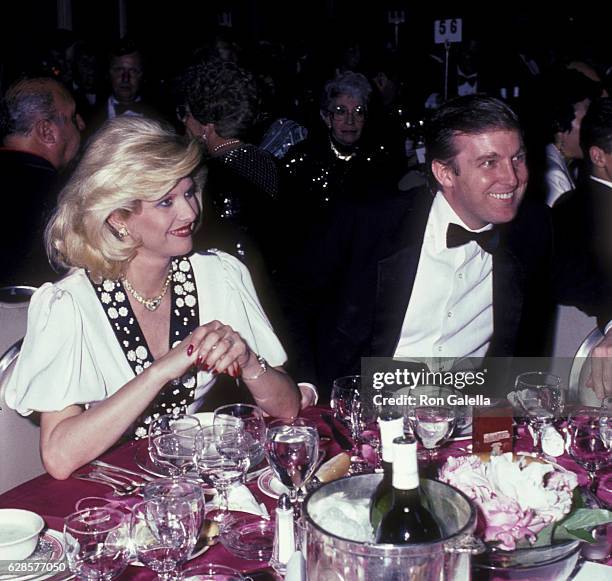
[
  {"x": 396, "y": 275},
  {"x": 508, "y": 291}
]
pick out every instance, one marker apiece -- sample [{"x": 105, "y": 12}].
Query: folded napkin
[
  {"x": 296, "y": 568},
  {"x": 592, "y": 572},
  {"x": 241, "y": 499}
]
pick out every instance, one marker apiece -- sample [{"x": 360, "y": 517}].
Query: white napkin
[
  {"x": 241, "y": 499},
  {"x": 296, "y": 568}
]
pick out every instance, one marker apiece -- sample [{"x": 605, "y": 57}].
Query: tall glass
[
  {"x": 163, "y": 532},
  {"x": 97, "y": 543},
  {"x": 251, "y": 419},
  {"x": 292, "y": 450},
  {"x": 432, "y": 425},
  {"x": 345, "y": 392}
]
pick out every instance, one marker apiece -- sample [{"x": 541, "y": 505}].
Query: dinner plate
[
  {"x": 270, "y": 485},
  {"x": 51, "y": 550}
]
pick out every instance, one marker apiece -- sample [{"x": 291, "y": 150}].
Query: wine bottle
[
  {"x": 408, "y": 521},
  {"x": 380, "y": 502}
]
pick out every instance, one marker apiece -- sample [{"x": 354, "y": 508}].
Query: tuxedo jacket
[{"x": 346, "y": 295}]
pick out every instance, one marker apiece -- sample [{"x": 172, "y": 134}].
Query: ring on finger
[{"x": 214, "y": 347}]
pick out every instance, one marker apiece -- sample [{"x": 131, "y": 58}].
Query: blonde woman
[{"x": 139, "y": 326}]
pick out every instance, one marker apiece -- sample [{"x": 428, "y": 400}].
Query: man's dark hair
[
  {"x": 124, "y": 47},
  {"x": 222, "y": 93},
  {"x": 469, "y": 115},
  {"x": 25, "y": 102},
  {"x": 596, "y": 127}
]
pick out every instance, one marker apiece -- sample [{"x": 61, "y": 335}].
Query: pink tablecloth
[{"x": 54, "y": 499}]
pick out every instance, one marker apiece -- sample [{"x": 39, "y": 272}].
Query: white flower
[
  {"x": 131, "y": 355},
  {"x": 146, "y": 364},
  {"x": 189, "y": 286},
  {"x": 190, "y": 301},
  {"x": 178, "y": 290},
  {"x": 140, "y": 432},
  {"x": 139, "y": 369},
  {"x": 141, "y": 352},
  {"x": 112, "y": 313},
  {"x": 175, "y": 344},
  {"x": 106, "y": 298},
  {"x": 180, "y": 302},
  {"x": 179, "y": 277},
  {"x": 184, "y": 266},
  {"x": 123, "y": 311},
  {"x": 119, "y": 297},
  {"x": 108, "y": 285}
]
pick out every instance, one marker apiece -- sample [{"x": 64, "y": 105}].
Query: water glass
[
  {"x": 163, "y": 532},
  {"x": 345, "y": 390},
  {"x": 432, "y": 425},
  {"x": 173, "y": 452},
  {"x": 97, "y": 543},
  {"x": 251, "y": 419},
  {"x": 292, "y": 450}
]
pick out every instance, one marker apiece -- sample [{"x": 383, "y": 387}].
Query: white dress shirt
[
  {"x": 450, "y": 313},
  {"x": 558, "y": 178}
]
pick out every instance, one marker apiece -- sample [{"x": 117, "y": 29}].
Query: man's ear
[
  {"x": 46, "y": 132},
  {"x": 597, "y": 155},
  {"x": 443, "y": 172}
]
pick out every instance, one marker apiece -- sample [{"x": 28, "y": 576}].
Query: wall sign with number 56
[{"x": 448, "y": 30}]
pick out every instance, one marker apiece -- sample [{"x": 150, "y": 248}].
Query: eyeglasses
[
  {"x": 182, "y": 112},
  {"x": 341, "y": 112}
]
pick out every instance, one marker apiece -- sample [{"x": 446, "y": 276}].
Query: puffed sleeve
[
  {"x": 233, "y": 301},
  {"x": 55, "y": 368}
]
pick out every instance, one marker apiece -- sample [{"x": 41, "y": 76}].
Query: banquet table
[{"x": 54, "y": 499}]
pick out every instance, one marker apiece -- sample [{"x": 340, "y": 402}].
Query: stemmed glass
[
  {"x": 345, "y": 390},
  {"x": 432, "y": 425},
  {"x": 221, "y": 472},
  {"x": 97, "y": 543},
  {"x": 163, "y": 532},
  {"x": 542, "y": 397},
  {"x": 250, "y": 418},
  {"x": 589, "y": 441},
  {"x": 292, "y": 450}
]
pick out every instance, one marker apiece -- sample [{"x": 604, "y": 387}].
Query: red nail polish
[
  {"x": 199, "y": 361},
  {"x": 190, "y": 350}
]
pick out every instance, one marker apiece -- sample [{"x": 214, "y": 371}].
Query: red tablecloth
[{"x": 54, "y": 499}]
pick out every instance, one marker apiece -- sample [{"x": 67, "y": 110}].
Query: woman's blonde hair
[{"x": 129, "y": 160}]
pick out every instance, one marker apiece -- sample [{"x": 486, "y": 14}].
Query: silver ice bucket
[{"x": 331, "y": 557}]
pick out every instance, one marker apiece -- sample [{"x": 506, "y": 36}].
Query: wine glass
[
  {"x": 97, "y": 543},
  {"x": 234, "y": 443},
  {"x": 542, "y": 397},
  {"x": 344, "y": 391},
  {"x": 163, "y": 532},
  {"x": 251, "y": 419},
  {"x": 174, "y": 452},
  {"x": 587, "y": 443},
  {"x": 211, "y": 572},
  {"x": 221, "y": 472},
  {"x": 432, "y": 425},
  {"x": 292, "y": 450}
]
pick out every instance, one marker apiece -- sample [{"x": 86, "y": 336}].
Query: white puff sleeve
[
  {"x": 55, "y": 368},
  {"x": 227, "y": 294}
]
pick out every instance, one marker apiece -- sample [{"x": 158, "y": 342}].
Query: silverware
[
  {"x": 340, "y": 438},
  {"x": 127, "y": 486},
  {"x": 256, "y": 473},
  {"x": 118, "y": 490},
  {"x": 123, "y": 478},
  {"x": 140, "y": 475}
]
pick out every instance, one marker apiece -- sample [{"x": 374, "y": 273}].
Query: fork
[
  {"x": 122, "y": 470},
  {"x": 129, "y": 487},
  {"x": 118, "y": 490},
  {"x": 118, "y": 477}
]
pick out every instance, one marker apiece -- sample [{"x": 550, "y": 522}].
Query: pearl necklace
[
  {"x": 153, "y": 303},
  {"x": 339, "y": 155},
  {"x": 225, "y": 144}
]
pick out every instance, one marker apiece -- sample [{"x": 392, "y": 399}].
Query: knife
[{"x": 340, "y": 438}]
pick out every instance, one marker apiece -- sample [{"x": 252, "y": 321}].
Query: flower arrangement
[{"x": 522, "y": 503}]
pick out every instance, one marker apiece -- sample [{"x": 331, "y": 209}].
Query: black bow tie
[{"x": 458, "y": 236}]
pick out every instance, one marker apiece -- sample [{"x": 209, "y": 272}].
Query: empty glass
[
  {"x": 343, "y": 395},
  {"x": 97, "y": 543},
  {"x": 432, "y": 425},
  {"x": 542, "y": 397},
  {"x": 211, "y": 572},
  {"x": 292, "y": 450},
  {"x": 251, "y": 419},
  {"x": 163, "y": 532}
]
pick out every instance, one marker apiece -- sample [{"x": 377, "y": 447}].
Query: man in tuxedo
[
  {"x": 40, "y": 137},
  {"x": 583, "y": 216},
  {"x": 461, "y": 273}
]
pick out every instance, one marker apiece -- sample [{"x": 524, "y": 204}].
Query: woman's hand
[{"x": 212, "y": 347}]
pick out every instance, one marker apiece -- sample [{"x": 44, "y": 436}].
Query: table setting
[{"x": 204, "y": 495}]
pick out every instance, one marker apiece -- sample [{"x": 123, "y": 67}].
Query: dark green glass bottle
[
  {"x": 380, "y": 502},
  {"x": 408, "y": 520}
]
